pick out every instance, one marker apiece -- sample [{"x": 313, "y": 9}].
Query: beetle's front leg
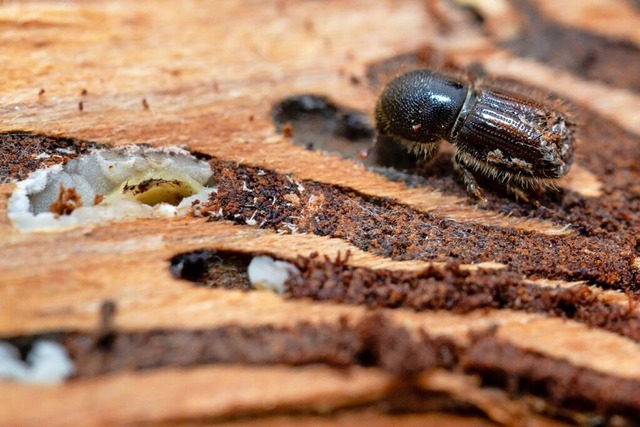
[
  {"x": 466, "y": 174},
  {"x": 465, "y": 171}
]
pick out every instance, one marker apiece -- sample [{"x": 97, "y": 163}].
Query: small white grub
[
  {"x": 47, "y": 363},
  {"x": 11, "y": 367},
  {"x": 111, "y": 184},
  {"x": 267, "y": 273}
]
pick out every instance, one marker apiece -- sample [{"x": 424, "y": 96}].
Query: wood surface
[{"x": 210, "y": 73}]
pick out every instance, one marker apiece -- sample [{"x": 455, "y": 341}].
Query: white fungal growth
[
  {"x": 47, "y": 363},
  {"x": 267, "y": 273},
  {"x": 111, "y": 184}
]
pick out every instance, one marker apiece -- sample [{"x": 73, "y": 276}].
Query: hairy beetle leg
[
  {"x": 474, "y": 190},
  {"x": 470, "y": 183},
  {"x": 525, "y": 196}
]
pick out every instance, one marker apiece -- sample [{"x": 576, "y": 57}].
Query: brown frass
[
  {"x": 394, "y": 230},
  {"x": 25, "y": 152},
  {"x": 450, "y": 288},
  {"x": 374, "y": 340},
  {"x": 561, "y": 383},
  {"x": 68, "y": 200},
  {"x": 445, "y": 287},
  {"x": 371, "y": 341}
]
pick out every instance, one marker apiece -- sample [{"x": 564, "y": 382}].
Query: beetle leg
[
  {"x": 525, "y": 196},
  {"x": 473, "y": 189}
]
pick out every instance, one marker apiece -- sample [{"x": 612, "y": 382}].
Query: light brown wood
[{"x": 196, "y": 393}]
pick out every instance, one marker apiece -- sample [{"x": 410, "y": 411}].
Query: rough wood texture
[{"x": 543, "y": 285}]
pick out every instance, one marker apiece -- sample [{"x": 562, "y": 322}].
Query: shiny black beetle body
[{"x": 522, "y": 142}]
